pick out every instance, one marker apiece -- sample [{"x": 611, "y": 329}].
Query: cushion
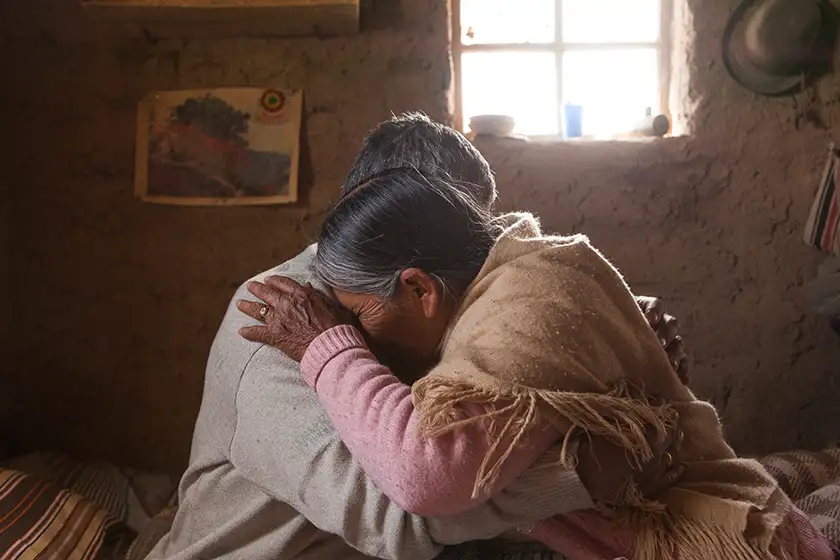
[{"x": 40, "y": 519}]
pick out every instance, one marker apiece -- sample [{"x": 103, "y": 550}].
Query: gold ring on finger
[
  {"x": 669, "y": 459},
  {"x": 263, "y": 312}
]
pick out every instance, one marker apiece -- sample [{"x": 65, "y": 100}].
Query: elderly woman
[{"x": 537, "y": 342}]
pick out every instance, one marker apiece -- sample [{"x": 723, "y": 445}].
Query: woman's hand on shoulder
[
  {"x": 604, "y": 467},
  {"x": 292, "y": 315},
  {"x": 666, "y": 326}
]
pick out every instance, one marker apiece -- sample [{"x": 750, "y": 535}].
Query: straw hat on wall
[{"x": 769, "y": 45}]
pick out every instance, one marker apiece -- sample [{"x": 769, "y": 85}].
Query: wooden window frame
[{"x": 558, "y": 47}]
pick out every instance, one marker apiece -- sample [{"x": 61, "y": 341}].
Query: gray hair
[
  {"x": 401, "y": 219},
  {"x": 414, "y": 140}
]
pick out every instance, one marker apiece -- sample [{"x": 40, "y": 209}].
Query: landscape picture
[{"x": 232, "y": 146}]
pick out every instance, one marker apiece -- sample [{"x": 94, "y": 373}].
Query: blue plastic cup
[{"x": 573, "y": 120}]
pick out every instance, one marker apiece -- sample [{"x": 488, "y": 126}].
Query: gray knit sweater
[{"x": 270, "y": 479}]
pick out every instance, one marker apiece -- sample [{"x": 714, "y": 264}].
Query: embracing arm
[
  {"x": 373, "y": 412},
  {"x": 284, "y": 443}
]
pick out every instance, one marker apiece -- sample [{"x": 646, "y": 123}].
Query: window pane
[
  {"x": 614, "y": 87},
  {"x": 610, "y": 21},
  {"x": 507, "y": 21},
  {"x": 522, "y": 85}
]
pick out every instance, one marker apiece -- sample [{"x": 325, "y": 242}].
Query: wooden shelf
[{"x": 229, "y": 18}]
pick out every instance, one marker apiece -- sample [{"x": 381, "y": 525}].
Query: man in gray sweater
[{"x": 267, "y": 468}]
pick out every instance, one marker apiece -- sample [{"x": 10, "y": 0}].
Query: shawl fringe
[
  {"x": 658, "y": 534},
  {"x": 624, "y": 416}
]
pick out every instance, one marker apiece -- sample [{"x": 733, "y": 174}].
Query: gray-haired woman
[{"x": 399, "y": 252}]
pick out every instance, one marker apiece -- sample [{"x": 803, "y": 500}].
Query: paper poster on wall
[{"x": 226, "y": 146}]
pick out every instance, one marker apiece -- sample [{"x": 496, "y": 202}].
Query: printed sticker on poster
[{"x": 226, "y": 146}]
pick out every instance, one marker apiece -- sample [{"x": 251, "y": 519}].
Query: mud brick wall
[{"x": 123, "y": 298}]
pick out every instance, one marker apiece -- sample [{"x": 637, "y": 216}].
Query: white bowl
[{"x": 493, "y": 125}]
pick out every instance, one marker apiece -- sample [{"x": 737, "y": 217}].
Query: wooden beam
[{"x": 229, "y": 18}]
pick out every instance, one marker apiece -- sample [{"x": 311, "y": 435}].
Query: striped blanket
[
  {"x": 39, "y": 519},
  {"x": 108, "y": 499},
  {"x": 812, "y": 480}
]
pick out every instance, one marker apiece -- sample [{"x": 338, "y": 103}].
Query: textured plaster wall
[
  {"x": 6, "y": 327},
  {"x": 123, "y": 298},
  {"x": 8, "y": 336}
]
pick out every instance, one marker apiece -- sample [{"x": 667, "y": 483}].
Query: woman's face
[{"x": 411, "y": 324}]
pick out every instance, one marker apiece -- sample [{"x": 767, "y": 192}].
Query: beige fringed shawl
[{"x": 550, "y": 330}]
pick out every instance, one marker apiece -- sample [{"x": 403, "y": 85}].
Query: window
[{"x": 532, "y": 59}]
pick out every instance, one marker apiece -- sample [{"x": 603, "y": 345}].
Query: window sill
[
  {"x": 558, "y": 145},
  {"x": 574, "y": 141}
]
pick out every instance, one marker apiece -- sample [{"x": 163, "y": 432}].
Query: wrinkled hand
[
  {"x": 603, "y": 467},
  {"x": 665, "y": 326},
  {"x": 292, "y": 315}
]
